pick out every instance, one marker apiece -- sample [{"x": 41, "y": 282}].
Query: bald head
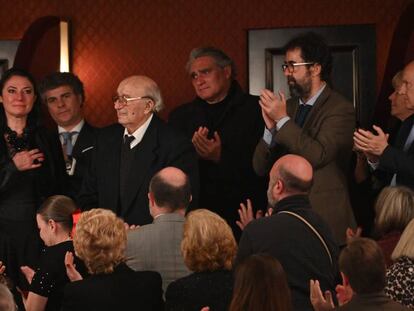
[
  {"x": 290, "y": 175},
  {"x": 171, "y": 189},
  {"x": 407, "y": 87},
  {"x": 139, "y": 85}
]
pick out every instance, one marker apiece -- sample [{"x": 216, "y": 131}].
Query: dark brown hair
[
  {"x": 60, "y": 209},
  {"x": 260, "y": 284},
  {"x": 362, "y": 261}
]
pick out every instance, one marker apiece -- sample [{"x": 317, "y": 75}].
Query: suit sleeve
[
  {"x": 323, "y": 142},
  {"x": 396, "y": 161},
  {"x": 245, "y": 247}
]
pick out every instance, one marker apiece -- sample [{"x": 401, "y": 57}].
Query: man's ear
[
  {"x": 81, "y": 100},
  {"x": 316, "y": 69},
  {"x": 151, "y": 198},
  {"x": 278, "y": 188},
  {"x": 149, "y": 106},
  {"x": 227, "y": 71}
]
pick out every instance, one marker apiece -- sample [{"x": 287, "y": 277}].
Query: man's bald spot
[
  {"x": 173, "y": 176},
  {"x": 295, "y": 165}
]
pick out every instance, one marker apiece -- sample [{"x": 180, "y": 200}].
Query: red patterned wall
[{"x": 112, "y": 39}]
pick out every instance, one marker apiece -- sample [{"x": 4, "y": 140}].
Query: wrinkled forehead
[{"x": 131, "y": 87}]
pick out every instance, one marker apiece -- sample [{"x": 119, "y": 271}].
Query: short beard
[
  {"x": 297, "y": 90},
  {"x": 271, "y": 201}
]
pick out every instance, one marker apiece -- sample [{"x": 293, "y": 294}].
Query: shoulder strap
[{"x": 313, "y": 229}]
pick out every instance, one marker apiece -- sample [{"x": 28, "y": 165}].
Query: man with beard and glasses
[{"x": 316, "y": 123}]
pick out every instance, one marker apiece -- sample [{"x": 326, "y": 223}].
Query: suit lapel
[
  {"x": 319, "y": 104},
  {"x": 83, "y": 141},
  {"x": 144, "y": 156}
]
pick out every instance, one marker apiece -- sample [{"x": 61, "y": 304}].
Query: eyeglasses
[
  {"x": 124, "y": 100},
  {"x": 290, "y": 66}
]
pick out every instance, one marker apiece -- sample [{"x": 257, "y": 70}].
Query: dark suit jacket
[
  {"x": 124, "y": 289},
  {"x": 160, "y": 147},
  {"x": 325, "y": 140},
  {"x": 372, "y": 302},
  {"x": 394, "y": 160},
  {"x": 224, "y": 185},
  {"x": 82, "y": 152},
  {"x": 297, "y": 248}
]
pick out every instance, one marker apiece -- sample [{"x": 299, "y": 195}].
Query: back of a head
[
  {"x": 295, "y": 172},
  {"x": 171, "y": 189},
  {"x": 394, "y": 209},
  {"x": 100, "y": 240},
  {"x": 59, "y": 208},
  {"x": 405, "y": 246},
  {"x": 260, "y": 284},
  {"x": 6, "y": 299},
  {"x": 208, "y": 242},
  {"x": 313, "y": 49},
  {"x": 362, "y": 261}
]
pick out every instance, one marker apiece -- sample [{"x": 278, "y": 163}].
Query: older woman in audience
[
  {"x": 100, "y": 241},
  {"x": 54, "y": 220},
  {"x": 394, "y": 209},
  {"x": 260, "y": 284},
  {"x": 31, "y": 169},
  {"x": 400, "y": 276},
  {"x": 208, "y": 249}
]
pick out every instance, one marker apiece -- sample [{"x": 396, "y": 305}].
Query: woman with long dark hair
[
  {"x": 31, "y": 169},
  {"x": 260, "y": 284}
]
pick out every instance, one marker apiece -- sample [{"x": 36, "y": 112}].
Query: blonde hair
[
  {"x": 405, "y": 246},
  {"x": 394, "y": 209},
  {"x": 100, "y": 240},
  {"x": 208, "y": 243}
]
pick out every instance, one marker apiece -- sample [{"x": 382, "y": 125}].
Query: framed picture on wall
[
  {"x": 4, "y": 65},
  {"x": 354, "y": 62}
]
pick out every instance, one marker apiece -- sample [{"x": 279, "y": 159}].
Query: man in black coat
[
  {"x": 224, "y": 124},
  {"x": 294, "y": 234},
  {"x": 128, "y": 154},
  {"x": 64, "y": 95}
]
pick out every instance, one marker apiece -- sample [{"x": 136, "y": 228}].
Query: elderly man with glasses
[
  {"x": 316, "y": 123},
  {"x": 128, "y": 154}
]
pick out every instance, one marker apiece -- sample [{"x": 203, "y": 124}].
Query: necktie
[
  {"x": 67, "y": 141},
  {"x": 127, "y": 141},
  {"x": 302, "y": 113}
]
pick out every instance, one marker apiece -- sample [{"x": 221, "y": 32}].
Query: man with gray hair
[
  {"x": 128, "y": 154},
  {"x": 223, "y": 123}
]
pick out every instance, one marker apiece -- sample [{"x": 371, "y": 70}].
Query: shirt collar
[
  {"x": 313, "y": 99},
  {"x": 139, "y": 132},
  {"x": 77, "y": 128}
]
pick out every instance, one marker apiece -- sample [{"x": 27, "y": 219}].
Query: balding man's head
[
  {"x": 290, "y": 175},
  {"x": 170, "y": 189},
  {"x": 407, "y": 87}
]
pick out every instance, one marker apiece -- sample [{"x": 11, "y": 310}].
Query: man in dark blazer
[
  {"x": 224, "y": 124},
  {"x": 64, "y": 96},
  {"x": 316, "y": 123},
  {"x": 128, "y": 154},
  {"x": 396, "y": 161},
  {"x": 288, "y": 234}
]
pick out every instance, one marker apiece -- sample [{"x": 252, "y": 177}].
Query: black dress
[
  {"x": 200, "y": 289},
  {"x": 21, "y": 193},
  {"x": 50, "y": 277}
]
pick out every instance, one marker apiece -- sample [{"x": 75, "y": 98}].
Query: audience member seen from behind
[
  {"x": 100, "y": 241},
  {"x": 394, "y": 209},
  {"x": 209, "y": 249},
  {"x": 6, "y": 299},
  {"x": 31, "y": 169},
  {"x": 260, "y": 284},
  {"x": 362, "y": 267},
  {"x": 54, "y": 220},
  {"x": 400, "y": 276}
]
